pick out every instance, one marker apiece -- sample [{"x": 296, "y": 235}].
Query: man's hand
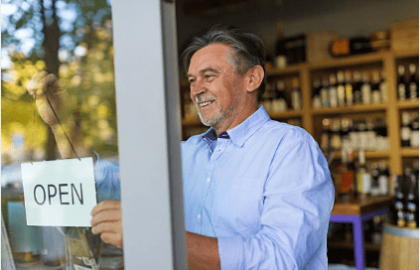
[
  {"x": 46, "y": 85},
  {"x": 108, "y": 222}
]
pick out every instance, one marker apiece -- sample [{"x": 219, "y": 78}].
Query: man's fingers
[
  {"x": 106, "y": 216},
  {"x": 108, "y": 227},
  {"x": 105, "y": 205},
  {"x": 113, "y": 239}
]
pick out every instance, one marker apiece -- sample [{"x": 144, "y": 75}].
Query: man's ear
[{"x": 255, "y": 77}]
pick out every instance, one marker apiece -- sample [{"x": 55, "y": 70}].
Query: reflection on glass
[{"x": 73, "y": 41}]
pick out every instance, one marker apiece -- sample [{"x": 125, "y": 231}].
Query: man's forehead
[{"x": 212, "y": 56}]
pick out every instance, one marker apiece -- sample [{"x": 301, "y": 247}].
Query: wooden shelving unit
[
  {"x": 391, "y": 110},
  {"x": 350, "y": 109}
]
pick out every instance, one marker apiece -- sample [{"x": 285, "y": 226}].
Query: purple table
[{"x": 356, "y": 211}]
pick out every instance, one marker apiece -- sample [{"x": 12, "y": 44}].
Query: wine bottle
[
  {"x": 316, "y": 99},
  {"x": 414, "y": 134},
  {"x": 366, "y": 90},
  {"x": 383, "y": 178},
  {"x": 374, "y": 190},
  {"x": 411, "y": 205},
  {"x": 357, "y": 88},
  {"x": 414, "y": 83},
  {"x": 341, "y": 89},
  {"x": 325, "y": 100},
  {"x": 335, "y": 135},
  {"x": 296, "y": 96},
  {"x": 398, "y": 208},
  {"x": 376, "y": 87},
  {"x": 332, "y": 92},
  {"x": 346, "y": 175},
  {"x": 349, "y": 88},
  {"x": 405, "y": 130},
  {"x": 401, "y": 83},
  {"x": 363, "y": 176},
  {"x": 281, "y": 103},
  {"x": 384, "y": 88},
  {"x": 326, "y": 133}
]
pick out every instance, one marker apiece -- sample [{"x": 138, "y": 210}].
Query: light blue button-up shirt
[{"x": 264, "y": 191}]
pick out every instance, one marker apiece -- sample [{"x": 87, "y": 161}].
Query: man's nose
[{"x": 197, "y": 88}]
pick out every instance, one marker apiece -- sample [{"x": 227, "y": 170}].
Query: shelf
[
  {"x": 285, "y": 71},
  {"x": 368, "y": 154},
  {"x": 408, "y": 104},
  {"x": 349, "y": 245},
  {"x": 350, "y": 61},
  {"x": 350, "y": 109},
  {"x": 406, "y": 53},
  {"x": 409, "y": 152},
  {"x": 286, "y": 114}
]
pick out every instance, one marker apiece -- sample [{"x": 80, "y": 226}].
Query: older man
[{"x": 257, "y": 193}]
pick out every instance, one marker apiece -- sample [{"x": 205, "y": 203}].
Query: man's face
[{"x": 216, "y": 90}]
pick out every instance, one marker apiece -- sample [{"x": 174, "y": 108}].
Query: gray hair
[{"x": 248, "y": 49}]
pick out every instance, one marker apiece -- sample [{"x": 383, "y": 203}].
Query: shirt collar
[{"x": 243, "y": 131}]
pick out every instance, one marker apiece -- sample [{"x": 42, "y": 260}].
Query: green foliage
[{"x": 89, "y": 78}]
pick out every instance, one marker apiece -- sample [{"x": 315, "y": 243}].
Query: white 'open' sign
[{"x": 59, "y": 193}]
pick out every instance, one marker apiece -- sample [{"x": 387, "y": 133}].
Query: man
[{"x": 257, "y": 193}]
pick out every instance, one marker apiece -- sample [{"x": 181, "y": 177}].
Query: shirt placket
[{"x": 221, "y": 145}]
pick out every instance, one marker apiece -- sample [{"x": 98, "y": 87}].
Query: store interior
[
  {"x": 345, "y": 71},
  {"x": 369, "y": 132}
]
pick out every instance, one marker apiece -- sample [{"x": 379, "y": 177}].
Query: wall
[{"x": 350, "y": 17}]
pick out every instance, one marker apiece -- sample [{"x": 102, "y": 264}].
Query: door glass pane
[{"x": 73, "y": 41}]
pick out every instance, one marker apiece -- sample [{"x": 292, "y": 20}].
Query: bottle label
[
  {"x": 414, "y": 140},
  {"x": 413, "y": 91},
  {"x": 366, "y": 94},
  {"x": 333, "y": 97},
  {"x": 401, "y": 91},
  {"x": 324, "y": 98},
  {"x": 405, "y": 133}
]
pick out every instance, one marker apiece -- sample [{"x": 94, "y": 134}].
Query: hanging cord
[
  {"x": 59, "y": 122},
  {"x": 33, "y": 132}
]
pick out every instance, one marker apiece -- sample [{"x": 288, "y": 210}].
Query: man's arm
[
  {"x": 202, "y": 251},
  {"x": 48, "y": 93}
]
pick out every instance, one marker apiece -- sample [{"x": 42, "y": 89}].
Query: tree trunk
[{"x": 52, "y": 34}]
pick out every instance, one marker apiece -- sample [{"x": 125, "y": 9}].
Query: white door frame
[{"x": 149, "y": 133}]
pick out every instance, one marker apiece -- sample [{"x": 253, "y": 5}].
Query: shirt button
[
  {"x": 220, "y": 150},
  {"x": 198, "y": 216},
  {"x": 208, "y": 179}
]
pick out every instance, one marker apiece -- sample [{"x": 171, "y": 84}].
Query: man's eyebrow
[{"x": 204, "y": 70}]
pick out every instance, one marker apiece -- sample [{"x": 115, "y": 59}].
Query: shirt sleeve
[
  {"x": 298, "y": 198},
  {"x": 107, "y": 180}
]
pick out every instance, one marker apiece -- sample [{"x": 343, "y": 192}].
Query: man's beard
[{"x": 214, "y": 120}]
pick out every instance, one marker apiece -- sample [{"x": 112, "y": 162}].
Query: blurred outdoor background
[{"x": 73, "y": 40}]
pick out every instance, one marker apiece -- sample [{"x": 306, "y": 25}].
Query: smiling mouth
[{"x": 204, "y": 103}]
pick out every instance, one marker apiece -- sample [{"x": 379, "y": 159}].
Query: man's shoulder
[
  {"x": 283, "y": 130},
  {"x": 193, "y": 140}
]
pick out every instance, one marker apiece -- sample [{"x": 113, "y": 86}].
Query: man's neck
[{"x": 236, "y": 121}]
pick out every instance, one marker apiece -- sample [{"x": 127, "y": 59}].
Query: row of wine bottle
[
  {"x": 360, "y": 180},
  {"x": 409, "y": 129},
  {"x": 405, "y": 210},
  {"x": 363, "y": 134},
  {"x": 408, "y": 89},
  {"x": 346, "y": 89},
  {"x": 275, "y": 100}
]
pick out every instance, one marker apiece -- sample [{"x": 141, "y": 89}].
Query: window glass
[{"x": 73, "y": 41}]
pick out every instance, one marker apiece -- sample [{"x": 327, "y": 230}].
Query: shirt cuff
[{"x": 230, "y": 252}]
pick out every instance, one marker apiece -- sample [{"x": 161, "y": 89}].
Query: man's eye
[
  {"x": 208, "y": 77},
  {"x": 191, "y": 80}
]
